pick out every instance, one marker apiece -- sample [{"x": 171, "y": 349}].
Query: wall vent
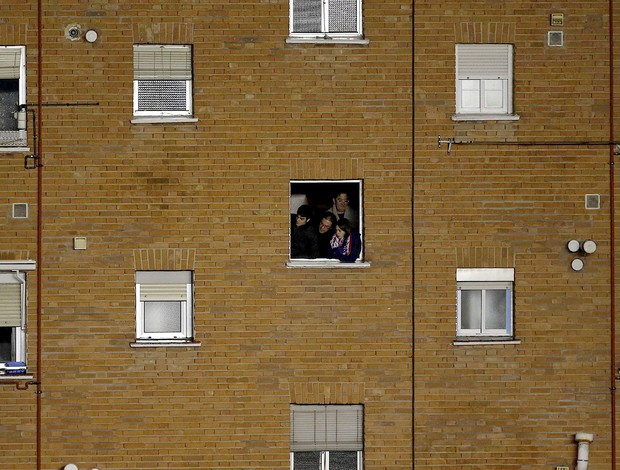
[
  {"x": 20, "y": 210},
  {"x": 555, "y": 38},
  {"x": 593, "y": 201}
]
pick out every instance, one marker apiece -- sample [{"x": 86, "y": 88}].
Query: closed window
[
  {"x": 162, "y": 80},
  {"x": 327, "y": 437},
  {"x": 12, "y": 96},
  {"x": 164, "y": 302},
  {"x": 485, "y": 303},
  {"x": 327, "y": 19},
  {"x": 484, "y": 79}
]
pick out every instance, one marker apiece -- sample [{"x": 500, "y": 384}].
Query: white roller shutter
[
  {"x": 327, "y": 427},
  {"x": 483, "y": 61}
]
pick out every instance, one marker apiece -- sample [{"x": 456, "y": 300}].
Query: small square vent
[
  {"x": 20, "y": 210},
  {"x": 593, "y": 201},
  {"x": 555, "y": 38}
]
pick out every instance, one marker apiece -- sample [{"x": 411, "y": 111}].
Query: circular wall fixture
[
  {"x": 91, "y": 35},
  {"x": 73, "y": 32},
  {"x": 589, "y": 246},
  {"x": 70, "y": 466},
  {"x": 577, "y": 264},
  {"x": 573, "y": 246}
]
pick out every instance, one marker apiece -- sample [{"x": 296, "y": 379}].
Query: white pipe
[{"x": 583, "y": 446}]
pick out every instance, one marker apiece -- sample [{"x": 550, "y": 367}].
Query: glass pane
[
  {"x": 343, "y": 460},
  {"x": 9, "y": 99},
  {"x": 6, "y": 340},
  {"x": 495, "y": 309},
  {"x": 162, "y": 317},
  {"x": 343, "y": 16},
  {"x": 494, "y": 94},
  {"x": 471, "y": 309},
  {"x": 306, "y": 460},
  {"x": 470, "y": 94},
  {"x": 307, "y": 16}
]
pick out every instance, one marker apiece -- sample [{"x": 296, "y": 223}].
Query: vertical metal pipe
[
  {"x": 39, "y": 228},
  {"x": 612, "y": 239}
]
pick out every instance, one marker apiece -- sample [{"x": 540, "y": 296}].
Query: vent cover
[
  {"x": 20, "y": 210},
  {"x": 593, "y": 201},
  {"x": 555, "y": 38}
]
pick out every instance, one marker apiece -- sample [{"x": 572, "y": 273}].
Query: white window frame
[
  {"x": 16, "y": 139},
  {"x": 165, "y": 286},
  {"x": 15, "y": 272},
  {"x": 336, "y": 185},
  {"x": 483, "y": 67},
  {"x": 324, "y": 33},
  {"x": 330, "y": 427},
  {"x": 483, "y": 280},
  {"x": 183, "y": 75}
]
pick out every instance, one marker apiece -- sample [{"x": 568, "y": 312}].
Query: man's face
[
  {"x": 301, "y": 220},
  {"x": 342, "y": 201},
  {"x": 325, "y": 226}
]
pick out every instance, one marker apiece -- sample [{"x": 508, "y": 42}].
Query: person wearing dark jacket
[
  {"x": 304, "y": 236},
  {"x": 346, "y": 244},
  {"x": 327, "y": 228}
]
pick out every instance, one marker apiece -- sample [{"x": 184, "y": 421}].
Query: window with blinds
[
  {"x": 12, "y": 316},
  {"x": 12, "y": 95},
  {"x": 327, "y": 437},
  {"x": 162, "y": 80},
  {"x": 331, "y": 18},
  {"x": 164, "y": 305},
  {"x": 484, "y": 78}
]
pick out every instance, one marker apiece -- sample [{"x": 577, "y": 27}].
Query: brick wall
[{"x": 214, "y": 196}]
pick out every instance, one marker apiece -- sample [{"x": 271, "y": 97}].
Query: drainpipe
[{"x": 583, "y": 445}]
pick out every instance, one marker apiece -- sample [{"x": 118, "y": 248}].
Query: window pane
[
  {"x": 495, "y": 309},
  {"x": 470, "y": 94},
  {"x": 343, "y": 16},
  {"x": 307, "y": 16},
  {"x": 493, "y": 94},
  {"x": 162, "y": 317},
  {"x": 306, "y": 461},
  {"x": 6, "y": 350},
  {"x": 9, "y": 99},
  {"x": 343, "y": 460},
  {"x": 471, "y": 309}
]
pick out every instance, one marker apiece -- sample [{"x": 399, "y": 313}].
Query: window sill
[
  {"x": 13, "y": 378},
  {"x": 325, "y": 263},
  {"x": 165, "y": 344},
  {"x": 486, "y": 342},
  {"x": 486, "y": 117},
  {"x": 163, "y": 120},
  {"x": 320, "y": 40},
  {"x": 14, "y": 149}
]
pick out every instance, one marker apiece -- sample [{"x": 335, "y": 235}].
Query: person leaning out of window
[
  {"x": 304, "y": 236},
  {"x": 346, "y": 244}
]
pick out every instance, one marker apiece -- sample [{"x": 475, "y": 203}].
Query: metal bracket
[
  {"x": 449, "y": 142},
  {"x": 28, "y": 165}
]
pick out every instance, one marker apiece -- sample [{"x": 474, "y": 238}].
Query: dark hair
[
  {"x": 345, "y": 226},
  {"x": 331, "y": 217},
  {"x": 305, "y": 211}
]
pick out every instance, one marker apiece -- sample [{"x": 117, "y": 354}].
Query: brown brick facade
[{"x": 210, "y": 196}]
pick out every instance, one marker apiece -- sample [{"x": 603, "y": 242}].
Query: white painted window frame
[
  {"x": 21, "y": 93},
  {"x": 188, "y": 112},
  {"x": 485, "y": 279},
  {"x": 324, "y": 33},
  {"x": 186, "y": 332},
  {"x": 484, "y": 65}
]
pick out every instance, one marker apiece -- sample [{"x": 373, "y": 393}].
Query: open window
[
  {"x": 164, "y": 306},
  {"x": 327, "y": 437},
  {"x": 12, "y": 97},
  {"x": 162, "y": 80},
  {"x": 484, "y": 82},
  {"x": 485, "y": 303},
  {"x": 13, "y": 303},
  {"x": 326, "y": 218},
  {"x": 326, "y": 20}
]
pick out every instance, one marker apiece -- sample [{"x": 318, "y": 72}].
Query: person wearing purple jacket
[{"x": 346, "y": 244}]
